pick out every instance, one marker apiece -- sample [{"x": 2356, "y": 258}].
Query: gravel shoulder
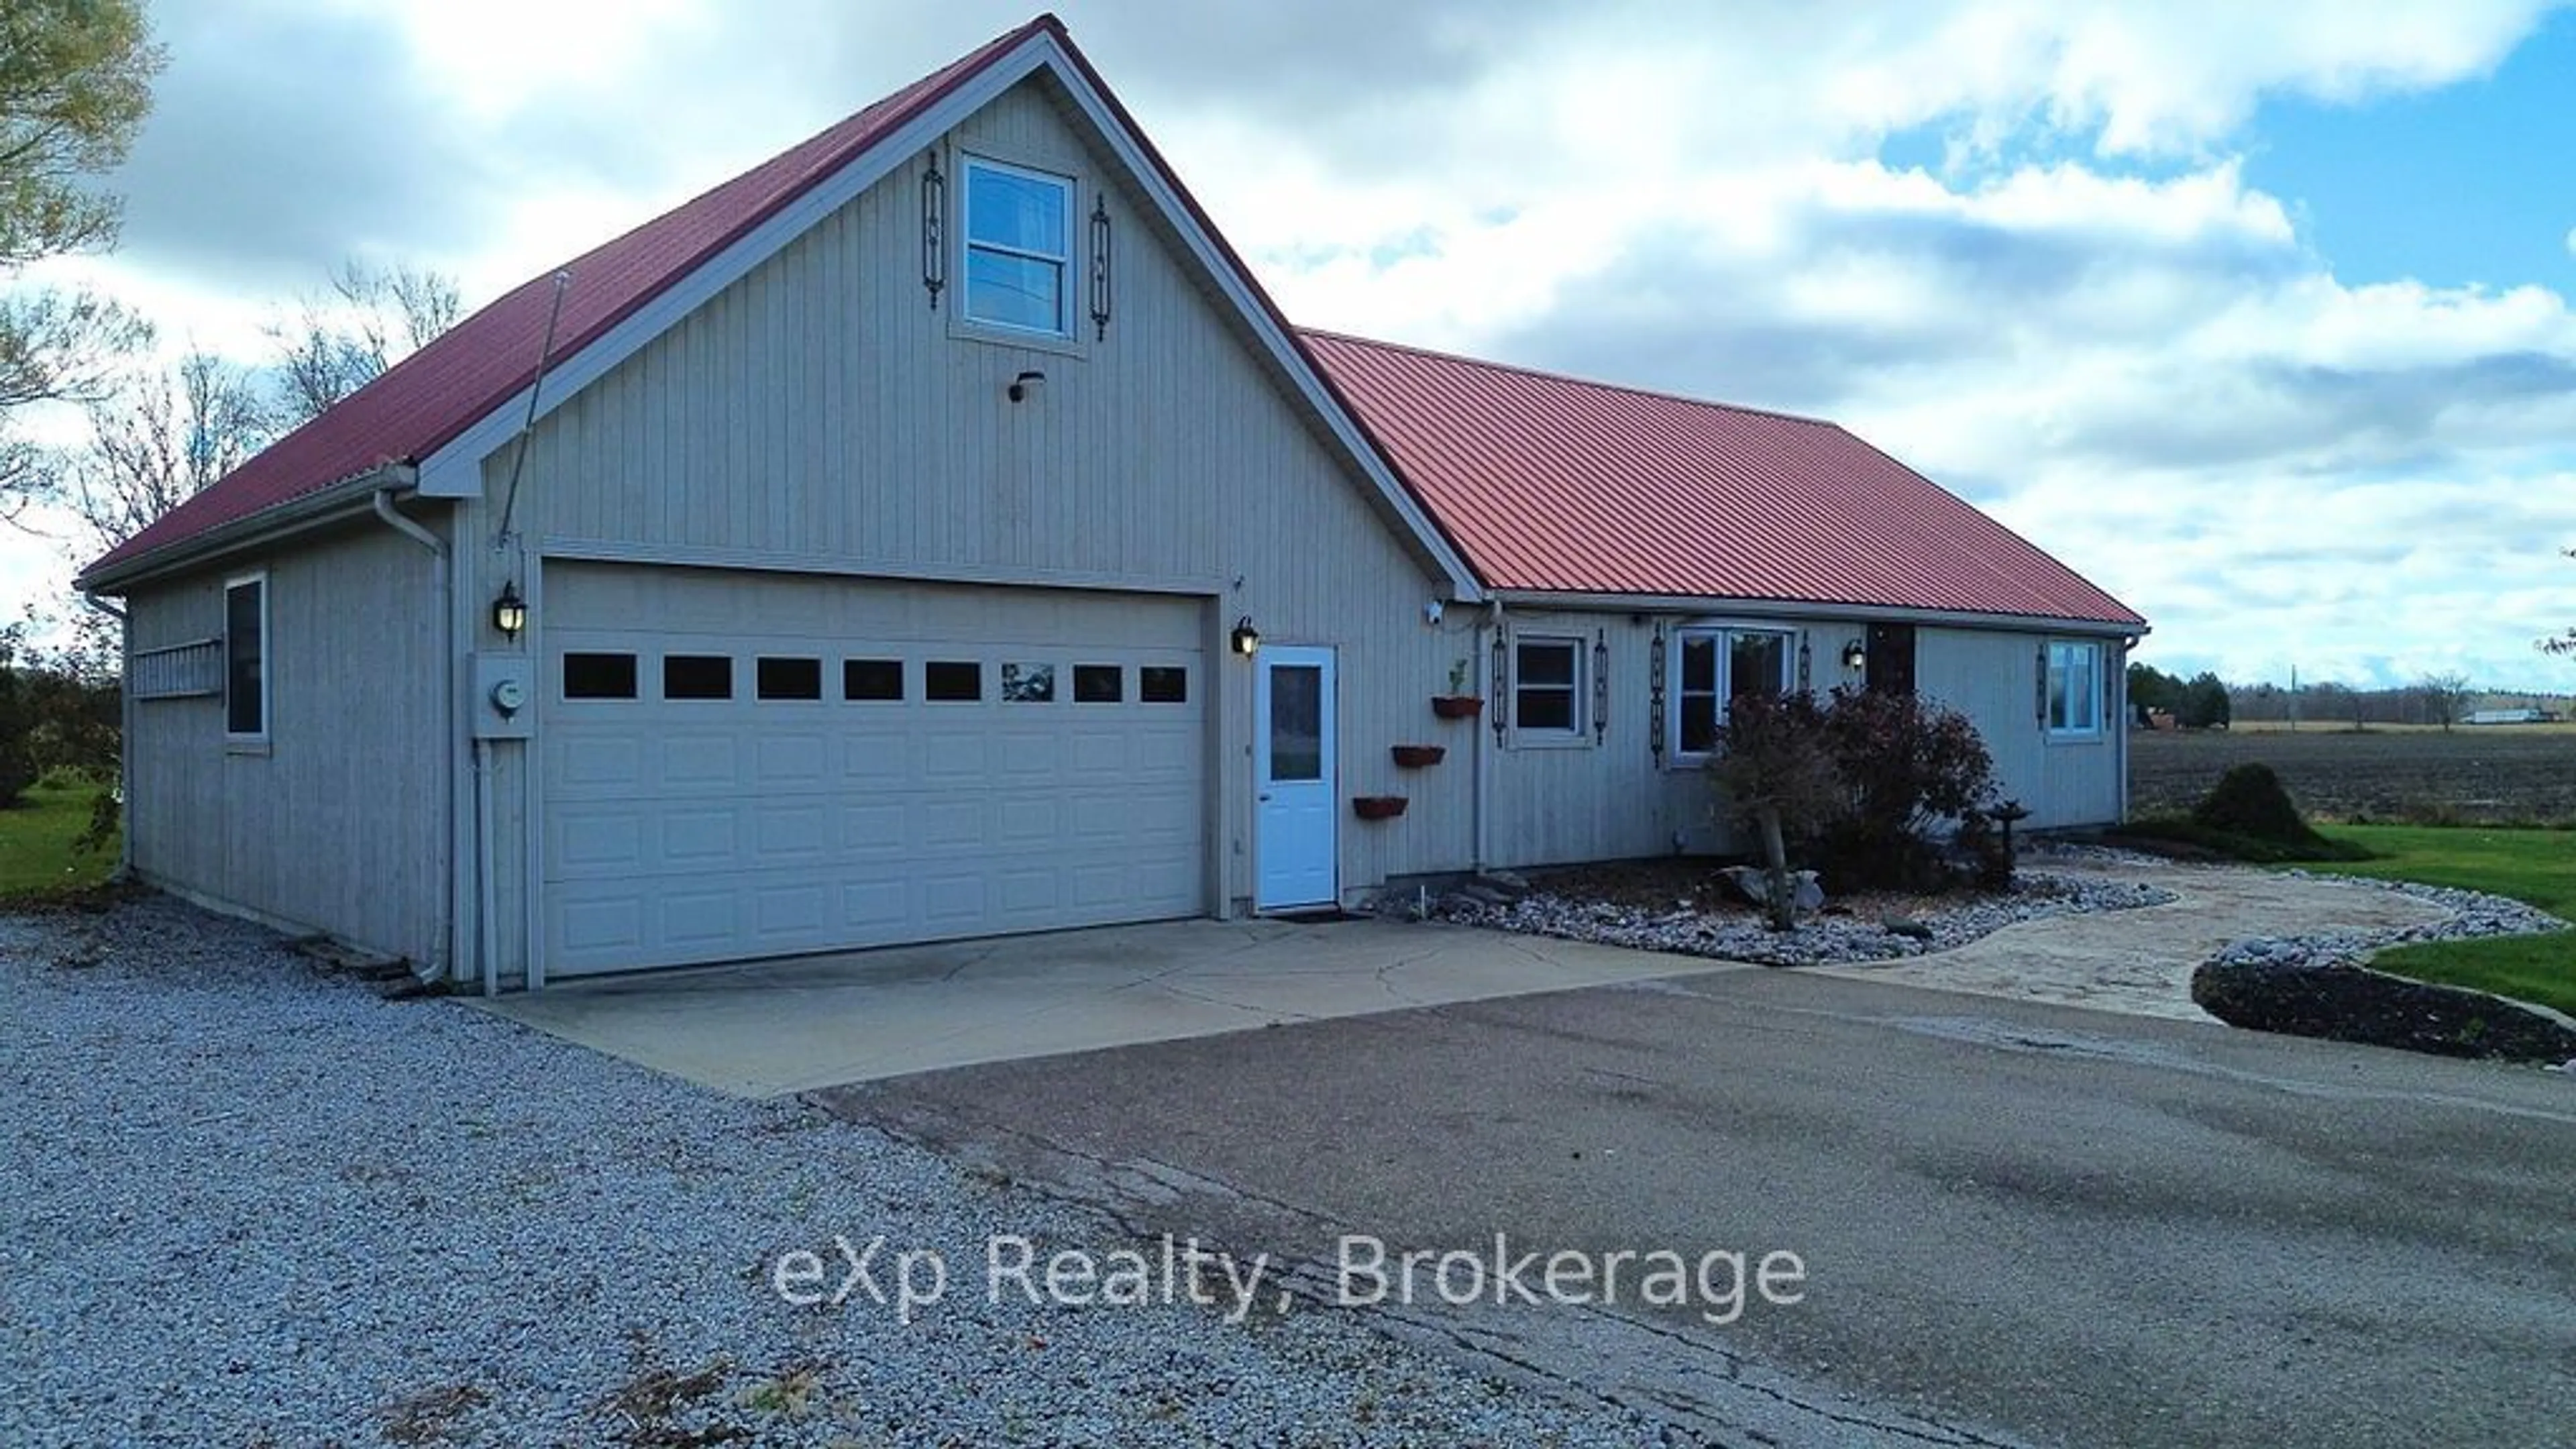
[{"x": 251, "y": 1204}]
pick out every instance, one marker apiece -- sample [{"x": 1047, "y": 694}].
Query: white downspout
[
  {"x": 2120, "y": 693},
  {"x": 124, "y": 731},
  {"x": 1482, "y": 779},
  {"x": 382, "y": 500},
  {"x": 490, "y": 945}
]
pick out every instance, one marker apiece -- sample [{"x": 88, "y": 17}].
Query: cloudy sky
[{"x": 2256, "y": 314}]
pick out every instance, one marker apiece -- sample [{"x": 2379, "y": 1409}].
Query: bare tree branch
[
  {"x": 371, "y": 318},
  {"x": 155, "y": 443}
]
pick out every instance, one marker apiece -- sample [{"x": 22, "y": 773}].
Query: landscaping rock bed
[
  {"x": 2316, "y": 986},
  {"x": 2342, "y": 1002},
  {"x": 1686, "y": 908}
]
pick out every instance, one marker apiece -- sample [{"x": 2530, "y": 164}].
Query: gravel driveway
[{"x": 249, "y": 1204}]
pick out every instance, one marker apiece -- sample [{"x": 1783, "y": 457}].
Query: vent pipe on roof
[{"x": 528, "y": 425}]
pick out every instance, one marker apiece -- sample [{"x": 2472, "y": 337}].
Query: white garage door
[{"x": 740, "y": 765}]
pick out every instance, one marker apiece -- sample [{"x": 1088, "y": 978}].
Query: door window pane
[
  {"x": 1163, "y": 684},
  {"x": 599, "y": 676},
  {"x": 1296, "y": 722},
  {"x": 1099, "y": 684},
  {"x": 952, "y": 680},
  {"x": 697, "y": 676},
  {"x": 777, "y": 678},
  {"x": 1028, "y": 683},
  {"x": 871, "y": 679}
]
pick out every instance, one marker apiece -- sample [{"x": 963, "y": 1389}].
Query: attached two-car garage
[{"x": 740, "y": 765}]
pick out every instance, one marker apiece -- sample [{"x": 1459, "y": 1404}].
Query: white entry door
[{"x": 1294, "y": 821}]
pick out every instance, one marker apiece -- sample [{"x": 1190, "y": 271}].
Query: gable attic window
[
  {"x": 2073, "y": 689},
  {"x": 1718, "y": 664},
  {"x": 246, "y": 657},
  {"x": 1019, "y": 249}
]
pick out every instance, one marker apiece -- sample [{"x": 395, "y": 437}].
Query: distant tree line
[{"x": 2201, "y": 702}]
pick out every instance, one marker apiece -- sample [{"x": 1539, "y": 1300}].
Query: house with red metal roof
[{"x": 937, "y": 532}]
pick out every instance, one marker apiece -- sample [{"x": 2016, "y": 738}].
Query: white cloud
[{"x": 2089, "y": 321}]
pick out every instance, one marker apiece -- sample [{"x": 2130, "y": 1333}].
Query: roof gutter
[
  {"x": 331, "y": 504},
  {"x": 1789, "y": 609}
]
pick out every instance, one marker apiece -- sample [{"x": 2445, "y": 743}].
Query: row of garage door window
[{"x": 605, "y": 676}]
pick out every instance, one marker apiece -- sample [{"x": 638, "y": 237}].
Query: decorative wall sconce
[
  {"x": 1100, "y": 269},
  {"x": 1026, "y": 385},
  {"x": 1855, "y": 657},
  {"x": 509, "y": 612},
  {"x": 934, "y": 229},
  {"x": 1600, "y": 685},
  {"x": 1245, "y": 640}
]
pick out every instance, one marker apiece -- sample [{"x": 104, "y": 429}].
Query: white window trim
[
  {"x": 2070, "y": 733},
  {"x": 267, "y": 655},
  {"x": 1578, "y": 732},
  {"x": 1064, "y": 330},
  {"x": 1720, "y": 630}
]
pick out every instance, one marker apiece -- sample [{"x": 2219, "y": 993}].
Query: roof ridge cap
[{"x": 1567, "y": 377}]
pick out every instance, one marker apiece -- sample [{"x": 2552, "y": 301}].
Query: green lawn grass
[
  {"x": 2537, "y": 867},
  {"x": 36, "y": 859}
]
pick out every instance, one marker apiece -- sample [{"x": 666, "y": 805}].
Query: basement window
[
  {"x": 697, "y": 676},
  {"x": 246, "y": 657},
  {"x": 1019, "y": 248}
]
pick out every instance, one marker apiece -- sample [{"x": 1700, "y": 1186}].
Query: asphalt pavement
[{"x": 2013, "y": 1222}]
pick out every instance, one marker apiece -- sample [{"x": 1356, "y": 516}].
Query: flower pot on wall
[
  {"x": 1456, "y": 706},
  {"x": 1377, "y": 807},
  {"x": 1415, "y": 757}
]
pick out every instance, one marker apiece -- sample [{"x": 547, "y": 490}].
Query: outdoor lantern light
[
  {"x": 1026, "y": 385},
  {"x": 509, "y": 612},
  {"x": 1855, "y": 657},
  {"x": 1247, "y": 640}
]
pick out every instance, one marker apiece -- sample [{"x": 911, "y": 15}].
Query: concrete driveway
[
  {"x": 2019, "y": 1223},
  {"x": 772, "y": 1028},
  {"x": 2141, "y": 961}
]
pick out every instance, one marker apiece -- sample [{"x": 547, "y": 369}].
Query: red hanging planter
[
  {"x": 1377, "y": 807},
  {"x": 1457, "y": 706},
  {"x": 1415, "y": 757}
]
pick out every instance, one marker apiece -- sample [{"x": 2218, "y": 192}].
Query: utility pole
[{"x": 2294, "y": 699}]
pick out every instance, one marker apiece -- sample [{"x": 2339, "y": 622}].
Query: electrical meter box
[{"x": 505, "y": 696}]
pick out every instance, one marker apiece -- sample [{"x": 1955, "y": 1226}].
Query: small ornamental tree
[
  {"x": 1858, "y": 782},
  {"x": 1908, "y": 766},
  {"x": 1774, "y": 772}
]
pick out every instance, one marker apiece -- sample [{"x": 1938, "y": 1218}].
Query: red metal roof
[
  {"x": 436, "y": 393},
  {"x": 1551, "y": 484},
  {"x": 1544, "y": 482}
]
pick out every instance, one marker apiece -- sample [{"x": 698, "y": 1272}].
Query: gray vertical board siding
[
  {"x": 339, "y": 824},
  {"x": 1991, "y": 676},
  {"x": 819, "y": 416}
]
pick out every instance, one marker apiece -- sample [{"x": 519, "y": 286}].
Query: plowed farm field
[{"x": 2476, "y": 773}]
